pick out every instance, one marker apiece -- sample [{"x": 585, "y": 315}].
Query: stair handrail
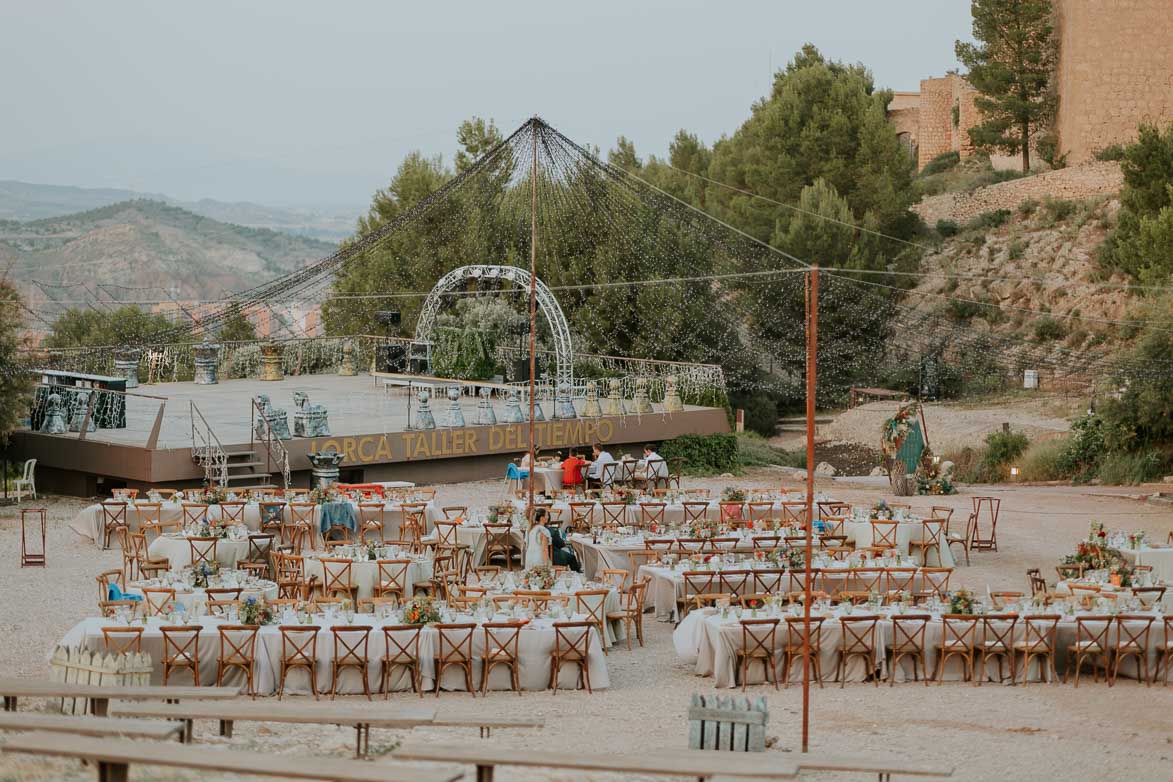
[
  {"x": 206, "y": 448},
  {"x": 274, "y": 451}
]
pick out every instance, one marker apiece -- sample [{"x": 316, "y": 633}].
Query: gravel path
[{"x": 989, "y": 732}]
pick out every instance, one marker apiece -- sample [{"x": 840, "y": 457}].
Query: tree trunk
[{"x": 1026, "y": 147}]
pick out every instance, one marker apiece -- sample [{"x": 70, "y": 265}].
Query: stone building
[{"x": 1115, "y": 72}]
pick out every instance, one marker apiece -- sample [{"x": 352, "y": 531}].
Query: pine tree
[{"x": 1012, "y": 67}]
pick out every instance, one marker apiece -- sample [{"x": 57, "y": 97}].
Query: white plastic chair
[{"x": 28, "y": 480}]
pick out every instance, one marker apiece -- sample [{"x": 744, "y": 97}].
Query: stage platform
[{"x": 368, "y": 419}]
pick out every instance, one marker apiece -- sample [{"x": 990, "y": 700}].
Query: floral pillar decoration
[
  {"x": 271, "y": 362},
  {"x": 207, "y": 358},
  {"x": 126, "y": 365},
  {"x": 347, "y": 367}
]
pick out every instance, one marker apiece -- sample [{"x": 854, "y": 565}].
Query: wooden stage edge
[{"x": 90, "y": 467}]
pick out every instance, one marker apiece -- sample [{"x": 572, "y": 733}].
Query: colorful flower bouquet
[
  {"x": 257, "y": 612},
  {"x": 421, "y": 611},
  {"x": 733, "y": 494},
  {"x": 540, "y": 577},
  {"x": 961, "y": 602},
  {"x": 881, "y": 510}
]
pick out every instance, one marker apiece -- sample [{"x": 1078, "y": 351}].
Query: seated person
[
  {"x": 654, "y": 464},
  {"x": 561, "y": 554},
  {"x": 595, "y": 475},
  {"x": 571, "y": 475}
]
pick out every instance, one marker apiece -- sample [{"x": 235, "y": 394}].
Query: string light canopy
[{"x": 637, "y": 272}]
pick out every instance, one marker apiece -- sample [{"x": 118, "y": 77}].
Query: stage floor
[{"x": 356, "y": 405}]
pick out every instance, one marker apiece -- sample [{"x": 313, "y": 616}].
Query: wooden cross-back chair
[
  {"x": 572, "y": 646},
  {"x": 113, "y": 520},
  {"x": 401, "y": 652},
  {"x": 758, "y": 642},
  {"x": 350, "y": 651},
  {"x": 299, "y": 650},
  {"x": 238, "y": 651},
  {"x": 454, "y": 650}
]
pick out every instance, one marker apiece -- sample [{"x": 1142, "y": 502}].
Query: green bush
[
  {"x": 1110, "y": 152},
  {"x": 947, "y": 228},
  {"x": 761, "y": 412},
  {"x": 1002, "y": 448},
  {"x": 988, "y": 220},
  {"x": 703, "y": 454},
  {"x": 1015, "y": 250},
  {"x": 1084, "y": 447},
  {"x": 1059, "y": 209},
  {"x": 1045, "y": 461},
  {"x": 990, "y": 464},
  {"x": 1048, "y": 329},
  {"x": 1028, "y": 207},
  {"x": 754, "y": 451},
  {"x": 941, "y": 163},
  {"x": 1121, "y": 468}
]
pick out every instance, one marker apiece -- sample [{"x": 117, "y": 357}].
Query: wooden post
[
  {"x": 812, "y": 341},
  {"x": 533, "y": 308}
]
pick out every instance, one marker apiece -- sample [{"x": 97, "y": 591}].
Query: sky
[{"x": 302, "y": 103}]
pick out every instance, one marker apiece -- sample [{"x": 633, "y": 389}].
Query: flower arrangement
[
  {"x": 733, "y": 494},
  {"x": 961, "y": 602},
  {"x": 421, "y": 611},
  {"x": 703, "y": 528},
  {"x": 214, "y": 495},
  {"x": 895, "y": 429},
  {"x": 929, "y": 479},
  {"x": 256, "y": 612},
  {"x": 625, "y": 495},
  {"x": 372, "y": 551},
  {"x": 323, "y": 494},
  {"x": 501, "y": 513},
  {"x": 1136, "y": 539},
  {"x": 206, "y": 530},
  {"x": 540, "y": 577},
  {"x": 881, "y": 510},
  {"x": 203, "y": 573}
]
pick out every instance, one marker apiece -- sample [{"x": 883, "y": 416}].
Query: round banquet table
[
  {"x": 536, "y": 645},
  {"x": 365, "y": 572},
  {"x": 176, "y": 548}
]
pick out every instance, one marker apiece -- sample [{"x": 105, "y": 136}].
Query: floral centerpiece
[
  {"x": 703, "y": 528},
  {"x": 501, "y": 513},
  {"x": 324, "y": 494},
  {"x": 961, "y": 602},
  {"x": 214, "y": 495},
  {"x": 733, "y": 494},
  {"x": 1094, "y": 553},
  {"x": 373, "y": 550},
  {"x": 881, "y": 510},
  {"x": 203, "y": 573},
  {"x": 929, "y": 479},
  {"x": 421, "y": 611},
  {"x": 540, "y": 577},
  {"x": 1136, "y": 539},
  {"x": 257, "y": 612},
  {"x": 206, "y": 530},
  {"x": 626, "y": 495}
]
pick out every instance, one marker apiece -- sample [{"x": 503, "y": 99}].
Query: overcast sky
[{"x": 300, "y": 102}]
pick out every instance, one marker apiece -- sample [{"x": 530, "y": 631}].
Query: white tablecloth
[
  {"x": 365, "y": 573},
  {"x": 709, "y": 640},
  {"x": 177, "y": 549},
  {"x": 188, "y": 598},
  {"x": 860, "y": 533},
  {"x": 1160, "y": 558},
  {"x": 535, "y": 648},
  {"x": 88, "y": 522}
]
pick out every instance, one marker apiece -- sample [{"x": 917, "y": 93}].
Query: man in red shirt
[{"x": 571, "y": 474}]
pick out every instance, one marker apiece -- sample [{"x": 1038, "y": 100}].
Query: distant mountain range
[
  {"x": 24, "y": 201},
  {"x": 153, "y": 250}
]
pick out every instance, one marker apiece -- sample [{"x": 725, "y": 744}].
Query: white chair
[{"x": 29, "y": 480}]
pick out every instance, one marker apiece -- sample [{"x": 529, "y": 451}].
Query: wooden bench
[
  {"x": 361, "y": 717},
  {"x": 113, "y": 758},
  {"x": 90, "y": 726},
  {"x": 700, "y": 764},
  {"x": 884, "y": 768},
  {"x": 99, "y": 697}
]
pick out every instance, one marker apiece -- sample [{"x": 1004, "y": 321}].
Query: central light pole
[
  {"x": 533, "y": 307},
  {"x": 812, "y": 341}
]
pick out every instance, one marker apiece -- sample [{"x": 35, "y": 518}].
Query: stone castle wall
[
  {"x": 1115, "y": 71},
  {"x": 1076, "y": 183}
]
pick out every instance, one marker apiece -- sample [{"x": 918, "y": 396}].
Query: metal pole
[
  {"x": 533, "y": 306},
  {"x": 812, "y": 341}
]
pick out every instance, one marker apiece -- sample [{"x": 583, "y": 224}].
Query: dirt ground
[{"x": 986, "y": 733}]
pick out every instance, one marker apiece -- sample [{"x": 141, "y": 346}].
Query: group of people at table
[{"x": 578, "y": 471}]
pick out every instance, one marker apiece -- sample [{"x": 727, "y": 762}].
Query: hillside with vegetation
[{"x": 148, "y": 245}]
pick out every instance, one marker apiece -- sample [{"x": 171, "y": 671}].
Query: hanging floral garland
[{"x": 896, "y": 428}]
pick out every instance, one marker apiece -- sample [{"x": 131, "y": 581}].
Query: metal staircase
[{"x": 238, "y": 470}]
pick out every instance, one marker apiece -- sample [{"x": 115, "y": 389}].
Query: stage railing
[
  {"x": 206, "y": 448},
  {"x": 262, "y": 431},
  {"x": 86, "y": 410}
]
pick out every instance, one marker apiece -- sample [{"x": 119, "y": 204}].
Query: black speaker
[
  {"x": 520, "y": 370},
  {"x": 391, "y": 358}
]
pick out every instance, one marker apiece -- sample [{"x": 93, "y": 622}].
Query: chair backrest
[
  {"x": 259, "y": 547},
  {"x": 232, "y": 512},
  {"x": 302, "y": 512},
  {"x": 768, "y": 581},
  {"x": 884, "y": 532},
  {"x": 615, "y": 577},
  {"x": 124, "y": 494},
  {"x": 614, "y": 514},
  {"x": 181, "y": 644},
  {"x": 1039, "y": 631},
  {"x": 104, "y": 579},
  {"x": 446, "y": 533},
  {"x": 572, "y": 637},
  {"x": 149, "y": 512},
  {"x": 931, "y": 531},
  {"x": 960, "y": 630},
  {"x": 454, "y": 512},
  {"x": 908, "y": 631},
  {"x": 193, "y": 512},
  {"x": 859, "y": 634},
  {"x": 700, "y": 582},
  {"x": 402, "y": 642},
  {"x": 760, "y": 511},
  {"x": 935, "y": 579},
  {"x": 393, "y": 572},
  {"x": 695, "y": 510},
  {"x": 299, "y": 644},
  {"x": 203, "y": 549},
  {"x": 120, "y": 640},
  {"x": 864, "y": 579},
  {"x": 272, "y": 514},
  {"x": 158, "y": 599},
  {"x": 582, "y": 515},
  {"x": 113, "y": 514},
  {"x": 794, "y": 514},
  {"x": 1133, "y": 630},
  {"x": 502, "y": 639},
  {"x": 223, "y": 593},
  {"x": 338, "y": 573},
  {"x": 414, "y": 520},
  {"x": 238, "y": 643},
  {"x": 607, "y": 473},
  {"x": 1093, "y": 630},
  {"x": 735, "y": 582},
  {"x": 499, "y": 534},
  {"x": 795, "y": 631},
  {"x": 998, "y": 630},
  {"x": 758, "y": 637},
  {"x": 350, "y": 644},
  {"x": 651, "y": 513},
  {"x": 454, "y": 642},
  {"x": 731, "y": 511},
  {"x": 900, "y": 579},
  {"x": 30, "y": 467}
]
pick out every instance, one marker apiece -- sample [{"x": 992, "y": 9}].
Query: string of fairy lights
[{"x": 638, "y": 272}]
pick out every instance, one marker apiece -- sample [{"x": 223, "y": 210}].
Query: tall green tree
[
  {"x": 15, "y": 382},
  {"x": 236, "y": 328},
  {"x": 1142, "y": 242},
  {"x": 127, "y": 325},
  {"x": 1012, "y": 66},
  {"x": 476, "y": 137}
]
